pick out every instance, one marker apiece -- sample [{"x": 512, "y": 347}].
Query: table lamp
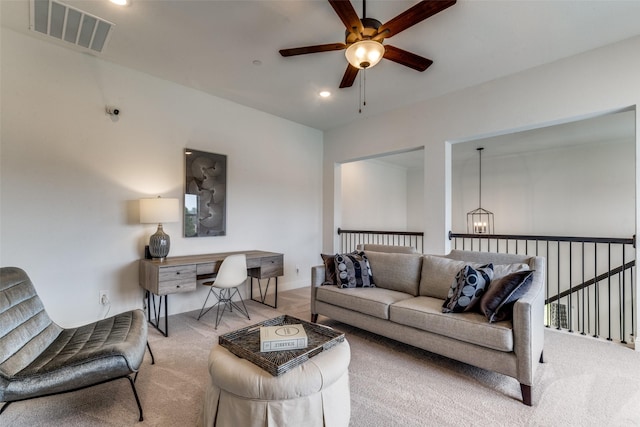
[{"x": 157, "y": 211}]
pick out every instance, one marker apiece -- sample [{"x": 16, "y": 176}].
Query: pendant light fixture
[{"x": 479, "y": 220}]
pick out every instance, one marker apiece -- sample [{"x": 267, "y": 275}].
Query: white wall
[
  {"x": 71, "y": 177},
  {"x": 374, "y": 196},
  {"x": 583, "y": 190}
]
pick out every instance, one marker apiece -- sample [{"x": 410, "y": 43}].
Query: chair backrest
[
  {"x": 232, "y": 272},
  {"x": 25, "y": 327}
]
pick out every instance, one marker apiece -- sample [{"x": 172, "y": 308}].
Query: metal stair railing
[{"x": 590, "y": 286}]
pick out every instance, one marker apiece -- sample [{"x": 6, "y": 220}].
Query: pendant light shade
[{"x": 480, "y": 220}]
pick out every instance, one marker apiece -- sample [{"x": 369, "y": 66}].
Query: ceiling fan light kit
[{"x": 364, "y": 54}]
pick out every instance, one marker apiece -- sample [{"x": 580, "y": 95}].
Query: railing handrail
[
  {"x": 590, "y": 282},
  {"x": 396, "y": 233},
  {"x": 616, "y": 240}
]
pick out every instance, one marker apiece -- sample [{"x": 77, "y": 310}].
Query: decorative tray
[{"x": 245, "y": 343}]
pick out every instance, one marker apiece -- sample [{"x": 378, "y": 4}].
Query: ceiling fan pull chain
[
  {"x": 360, "y": 94},
  {"x": 364, "y": 87}
]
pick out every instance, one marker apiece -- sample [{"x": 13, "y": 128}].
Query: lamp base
[{"x": 159, "y": 244}]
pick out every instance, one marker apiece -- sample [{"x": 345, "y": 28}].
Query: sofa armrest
[
  {"x": 317, "y": 275},
  {"x": 317, "y": 279},
  {"x": 528, "y": 324}
]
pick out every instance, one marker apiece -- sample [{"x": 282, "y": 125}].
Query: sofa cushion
[
  {"x": 372, "y": 301},
  {"x": 467, "y": 288},
  {"x": 497, "y": 302},
  {"x": 353, "y": 270},
  {"x": 501, "y": 270},
  {"x": 396, "y": 271},
  {"x": 437, "y": 275},
  {"x": 425, "y": 313},
  {"x": 387, "y": 248}
]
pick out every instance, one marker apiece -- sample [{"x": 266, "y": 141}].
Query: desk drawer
[
  {"x": 271, "y": 267},
  {"x": 175, "y": 286},
  {"x": 177, "y": 272},
  {"x": 177, "y": 279}
]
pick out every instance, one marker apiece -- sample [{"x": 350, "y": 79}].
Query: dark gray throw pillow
[
  {"x": 497, "y": 302},
  {"x": 467, "y": 288},
  {"x": 353, "y": 271}
]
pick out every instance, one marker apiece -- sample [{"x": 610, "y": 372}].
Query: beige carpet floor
[{"x": 584, "y": 382}]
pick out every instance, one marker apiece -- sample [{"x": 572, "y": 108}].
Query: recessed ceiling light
[
  {"x": 257, "y": 62},
  {"x": 121, "y": 2},
  {"x": 324, "y": 94}
]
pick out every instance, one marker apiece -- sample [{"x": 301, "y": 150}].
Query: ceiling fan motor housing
[{"x": 370, "y": 25}]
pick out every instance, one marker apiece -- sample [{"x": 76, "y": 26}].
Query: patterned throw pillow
[
  {"x": 353, "y": 271},
  {"x": 467, "y": 288},
  {"x": 497, "y": 302}
]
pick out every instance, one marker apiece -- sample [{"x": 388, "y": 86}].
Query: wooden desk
[{"x": 181, "y": 274}]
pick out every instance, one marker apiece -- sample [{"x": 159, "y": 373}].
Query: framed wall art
[{"x": 205, "y": 198}]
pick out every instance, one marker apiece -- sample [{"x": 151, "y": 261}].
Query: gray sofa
[{"x": 406, "y": 305}]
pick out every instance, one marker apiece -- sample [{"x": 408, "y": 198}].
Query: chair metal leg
[
  {"x": 135, "y": 394},
  {"x": 4, "y": 407},
  {"x": 224, "y": 303},
  {"x": 202, "y": 310},
  {"x": 131, "y": 381},
  {"x": 242, "y": 310},
  {"x": 153, "y": 360}
]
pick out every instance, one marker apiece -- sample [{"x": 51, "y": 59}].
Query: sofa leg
[
  {"x": 314, "y": 318},
  {"x": 526, "y": 394},
  {"x": 542, "y": 357}
]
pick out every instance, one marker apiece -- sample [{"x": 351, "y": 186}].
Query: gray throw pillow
[
  {"x": 497, "y": 302},
  {"x": 467, "y": 288},
  {"x": 353, "y": 271}
]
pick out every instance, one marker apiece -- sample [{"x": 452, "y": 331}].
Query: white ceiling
[{"x": 211, "y": 45}]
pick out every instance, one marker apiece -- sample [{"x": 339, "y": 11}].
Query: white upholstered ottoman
[{"x": 315, "y": 393}]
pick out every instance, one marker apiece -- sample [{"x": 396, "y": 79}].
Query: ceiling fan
[{"x": 364, "y": 37}]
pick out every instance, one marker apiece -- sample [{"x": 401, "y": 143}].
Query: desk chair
[
  {"x": 39, "y": 358},
  {"x": 232, "y": 273}
]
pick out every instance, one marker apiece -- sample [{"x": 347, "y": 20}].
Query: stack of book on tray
[{"x": 282, "y": 337}]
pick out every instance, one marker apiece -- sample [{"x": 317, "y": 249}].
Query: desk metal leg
[
  {"x": 263, "y": 295},
  {"x": 155, "y": 322}
]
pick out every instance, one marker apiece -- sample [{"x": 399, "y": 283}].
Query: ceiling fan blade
[
  {"x": 347, "y": 15},
  {"x": 413, "y": 15},
  {"x": 349, "y": 76},
  {"x": 312, "y": 49},
  {"x": 405, "y": 58}
]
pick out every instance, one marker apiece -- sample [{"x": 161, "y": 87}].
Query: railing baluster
[
  {"x": 609, "y": 288},
  {"x": 588, "y": 312},
  {"x": 583, "y": 292}
]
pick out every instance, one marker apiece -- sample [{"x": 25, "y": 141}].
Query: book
[{"x": 282, "y": 337}]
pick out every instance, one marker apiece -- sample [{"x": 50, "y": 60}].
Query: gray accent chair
[{"x": 39, "y": 358}]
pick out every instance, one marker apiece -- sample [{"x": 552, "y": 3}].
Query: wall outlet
[{"x": 104, "y": 297}]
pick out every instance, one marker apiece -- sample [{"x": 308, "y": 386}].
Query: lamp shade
[
  {"x": 159, "y": 210},
  {"x": 364, "y": 53}
]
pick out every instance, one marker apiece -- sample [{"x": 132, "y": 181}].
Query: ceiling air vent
[{"x": 69, "y": 24}]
